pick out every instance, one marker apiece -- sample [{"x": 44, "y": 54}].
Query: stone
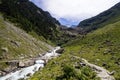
[
  {"x": 15, "y": 43},
  {"x": 31, "y": 55},
  {"x": 104, "y": 64},
  {"x": 21, "y": 64},
  {"x": 97, "y": 59},
  {"x": 25, "y": 63},
  {"x": 117, "y": 62},
  {"x": 0, "y": 73},
  {"x": 60, "y": 51},
  {"x": 112, "y": 73},
  {"x": 12, "y": 63},
  {"x": 107, "y": 51},
  {"x": 4, "y": 49},
  {"x": 82, "y": 64},
  {"x": 29, "y": 74},
  {"x": 77, "y": 66},
  {"x": 7, "y": 70},
  {"x": 29, "y": 62},
  {"x": 108, "y": 43}
]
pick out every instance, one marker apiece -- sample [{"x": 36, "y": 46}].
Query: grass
[
  {"x": 63, "y": 68},
  {"x": 18, "y": 43},
  {"x": 101, "y": 47}
]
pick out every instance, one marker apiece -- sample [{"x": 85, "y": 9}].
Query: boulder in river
[
  {"x": 60, "y": 51},
  {"x": 26, "y": 63},
  {"x": 21, "y": 64},
  {"x": 29, "y": 74},
  {"x": 2, "y": 73}
]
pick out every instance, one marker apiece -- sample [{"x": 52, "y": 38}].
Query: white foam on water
[
  {"x": 29, "y": 71},
  {"x": 22, "y": 73}
]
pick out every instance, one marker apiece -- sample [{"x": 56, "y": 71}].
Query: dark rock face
[{"x": 60, "y": 51}]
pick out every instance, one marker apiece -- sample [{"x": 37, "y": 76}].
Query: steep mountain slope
[
  {"x": 101, "y": 47},
  {"x": 34, "y": 20},
  {"x": 110, "y": 16},
  {"x": 30, "y": 17},
  {"x": 16, "y": 44}
]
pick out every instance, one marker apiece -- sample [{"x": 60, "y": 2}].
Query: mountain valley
[{"x": 27, "y": 33}]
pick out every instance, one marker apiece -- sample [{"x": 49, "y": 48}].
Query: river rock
[
  {"x": 2, "y": 73},
  {"x": 14, "y": 63},
  {"x": 29, "y": 74},
  {"x": 60, "y": 51},
  {"x": 21, "y": 64},
  {"x": 29, "y": 62},
  {"x": 26, "y": 63}
]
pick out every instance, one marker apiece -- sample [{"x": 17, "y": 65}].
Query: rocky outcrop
[{"x": 27, "y": 63}]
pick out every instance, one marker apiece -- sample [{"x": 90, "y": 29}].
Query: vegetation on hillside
[
  {"x": 101, "y": 47},
  {"x": 16, "y": 44},
  {"x": 30, "y": 18},
  {"x": 65, "y": 67},
  {"x": 34, "y": 20},
  {"x": 107, "y": 17}
]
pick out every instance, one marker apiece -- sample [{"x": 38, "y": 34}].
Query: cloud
[{"x": 75, "y": 9}]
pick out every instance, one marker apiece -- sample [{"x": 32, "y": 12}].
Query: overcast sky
[{"x": 70, "y": 12}]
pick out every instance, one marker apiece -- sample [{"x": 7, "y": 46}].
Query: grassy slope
[
  {"x": 101, "y": 47},
  {"x": 63, "y": 68},
  {"x": 37, "y": 20},
  {"x": 18, "y": 42}
]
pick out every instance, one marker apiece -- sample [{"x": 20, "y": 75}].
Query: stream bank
[{"x": 24, "y": 73}]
